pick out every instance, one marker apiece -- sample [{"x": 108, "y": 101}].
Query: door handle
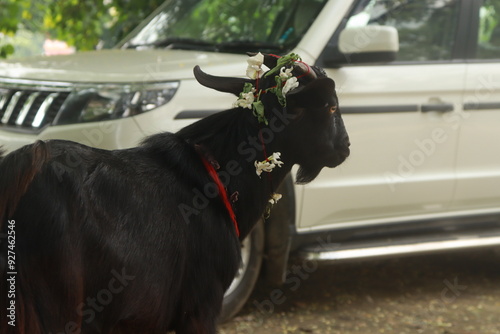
[{"x": 440, "y": 107}]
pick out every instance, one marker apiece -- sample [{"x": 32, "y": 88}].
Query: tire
[{"x": 241, "y": 287}]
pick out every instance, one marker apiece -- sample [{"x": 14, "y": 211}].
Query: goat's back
[{"x": 101, "y": 242}]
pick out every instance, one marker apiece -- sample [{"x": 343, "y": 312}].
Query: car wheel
[{"x": 247, "y": 275}]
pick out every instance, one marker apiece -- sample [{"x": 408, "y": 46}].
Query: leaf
[
  {"x": 278, "y": 90},
  {"x": 247, "y": 88},
  {"x": 287, "y": 60},
  {"x": 258, "y": 108}
]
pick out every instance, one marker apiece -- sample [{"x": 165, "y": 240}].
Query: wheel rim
[{"x": 246, "y": 246}]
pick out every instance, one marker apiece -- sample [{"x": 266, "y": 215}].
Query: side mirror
[{"x": 366, "y": 44}]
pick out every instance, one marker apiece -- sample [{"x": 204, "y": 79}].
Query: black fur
[{"x": 135, "y": 241}]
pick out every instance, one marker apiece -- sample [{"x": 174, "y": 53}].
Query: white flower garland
[
  {"x": 269, "y": 164},
  {"x": 286, "y": 73},
  {"x": 246, "y": 100},
  {"x": 290, "y": 84},
  {"x": 275, "y": 198},
  {"x": 254, "y": 69},
  {"x": 285, "y": 82}
]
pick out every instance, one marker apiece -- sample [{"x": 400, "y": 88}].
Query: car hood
[{"x": 123, "y": 66}]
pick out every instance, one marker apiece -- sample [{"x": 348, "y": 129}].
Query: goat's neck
[
  {"x": 253, "y": 192},
  {"x": 232, "y": 139}
]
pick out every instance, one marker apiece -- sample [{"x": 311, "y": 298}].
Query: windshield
[{"x": 226, "y": 25}]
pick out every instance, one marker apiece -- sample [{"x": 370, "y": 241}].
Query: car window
[
  {"x": 227, "y": 25},
  {"x": 426, "y": 29},
  {"x": 489, "y": 30}
]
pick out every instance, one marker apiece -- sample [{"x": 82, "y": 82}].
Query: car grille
[{"x": 29, "y": 109}]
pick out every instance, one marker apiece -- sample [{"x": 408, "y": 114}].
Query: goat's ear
[
  {"x": 316, "y": 94},
  {"x": 222, "y": 84}
]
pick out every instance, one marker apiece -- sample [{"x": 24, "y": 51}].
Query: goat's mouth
[{"x": 338, "y": 157}]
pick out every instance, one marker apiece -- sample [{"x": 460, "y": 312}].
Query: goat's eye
[{"x": 333, "y": 109}]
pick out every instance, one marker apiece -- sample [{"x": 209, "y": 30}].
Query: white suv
[{"x": 419, "y": 90}]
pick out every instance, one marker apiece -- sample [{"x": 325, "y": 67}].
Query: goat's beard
[{"x": 307, "y": 173}]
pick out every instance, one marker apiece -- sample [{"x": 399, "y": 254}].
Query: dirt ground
[{"x": 456, "y": 293}]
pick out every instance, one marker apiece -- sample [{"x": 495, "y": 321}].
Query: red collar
[{"x": 222, "y": 192}]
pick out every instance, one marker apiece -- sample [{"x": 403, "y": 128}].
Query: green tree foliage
[
  {"x": 489, "y": 18},
  {"x": 9, "y": 18},
  {"x": 81, "y": 23},
  {"x": 226, "y": 21},
  {"x": 223, "y": 20}
]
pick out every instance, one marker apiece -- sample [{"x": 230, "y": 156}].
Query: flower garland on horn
[{"x": 285, "y": 82}]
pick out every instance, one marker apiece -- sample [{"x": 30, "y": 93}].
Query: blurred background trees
[{"x": 84, "y": 24}]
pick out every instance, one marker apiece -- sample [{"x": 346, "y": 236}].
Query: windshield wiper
[
  {"x": 174, "y": 42},
  {"x": 250, "y": 46},
  {"x": 194, "y": 44}
]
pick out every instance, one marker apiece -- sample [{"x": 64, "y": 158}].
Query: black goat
[{"x": 142, "y": 240}]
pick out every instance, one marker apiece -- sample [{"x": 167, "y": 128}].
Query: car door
[
  {"x": 478, "y": 157},
  {"x": 402, "y": 120}
]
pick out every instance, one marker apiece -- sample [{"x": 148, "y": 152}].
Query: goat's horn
[
  {"x": 222, "y": 84},
  {"x": 305, "y": 70}
]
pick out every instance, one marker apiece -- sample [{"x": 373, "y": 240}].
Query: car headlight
[{"x": 106, "y": 102}]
